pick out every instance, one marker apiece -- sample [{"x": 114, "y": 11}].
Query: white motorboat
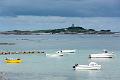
[
  {"x": 104, "y": 54},
  {"x": 66, "y": 51},
  {"x": 54, "y": 55},
  {"x": 91, "y": 66}
]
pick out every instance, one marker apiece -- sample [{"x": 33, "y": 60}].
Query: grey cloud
[{"x": 68, "y": 8}]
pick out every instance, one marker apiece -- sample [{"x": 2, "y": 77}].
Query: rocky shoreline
[{"x": 70, "y": 30}]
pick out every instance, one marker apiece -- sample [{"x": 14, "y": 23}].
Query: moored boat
[
  {"x": 13, "y": 60},
  {"x": 91, "y": 66},
  {"x": 104, "y": 54},
  {"x": 54, "y": 55},
  {"x": 66, "y": 51}
]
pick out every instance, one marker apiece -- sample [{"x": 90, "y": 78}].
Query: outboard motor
[
  {"x": 76, "y": 64},
  {"x": 89, "y": 56},
  {"x": 73, "y": 66}
]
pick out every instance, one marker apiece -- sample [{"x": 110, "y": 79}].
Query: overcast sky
[
  {"x": 69, "y": 8},
  {"x": 34, "y": 14}
]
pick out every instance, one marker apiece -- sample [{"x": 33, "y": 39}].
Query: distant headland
[{"x": 70, "y": 30}]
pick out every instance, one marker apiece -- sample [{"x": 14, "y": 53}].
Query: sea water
[{"x": 41, "y": 67}]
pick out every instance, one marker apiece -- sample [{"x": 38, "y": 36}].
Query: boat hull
[
  {"x": 100, "y": 55},
  {"x": 54, "y": 55},
  {"x": 66, "y": 51},
  {"x": 91, "y": 66},
  {"x": 87, "y": 68},
  {"x": 13, "y": 61}
]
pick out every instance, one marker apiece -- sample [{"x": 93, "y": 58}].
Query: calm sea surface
[{"x": 41, "y": 67}]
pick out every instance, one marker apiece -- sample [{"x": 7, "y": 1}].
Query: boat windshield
[{"x": 92, "y": 64}]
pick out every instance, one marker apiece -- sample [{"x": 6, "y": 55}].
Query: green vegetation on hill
[{"x": 70, "y": 30}]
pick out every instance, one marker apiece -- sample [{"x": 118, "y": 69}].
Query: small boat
[
  {"x": 13, "y": 60},
  {"x": 54, "y": 55},
  {"x": 66, "y": 51},
  {"x": 104, "y": 54},
  {"x": 91, "y": 66}
]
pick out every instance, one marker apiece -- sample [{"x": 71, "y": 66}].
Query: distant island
[{"x": 70, "y": 30}]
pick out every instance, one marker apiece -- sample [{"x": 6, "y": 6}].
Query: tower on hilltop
[{"x": 72, "y": 25}]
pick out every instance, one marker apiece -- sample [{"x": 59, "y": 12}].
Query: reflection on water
[
  {"x": 87, "y": 74},
  {"x": 3, "y": 76},
  {"x": 34, "y": 76}
]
